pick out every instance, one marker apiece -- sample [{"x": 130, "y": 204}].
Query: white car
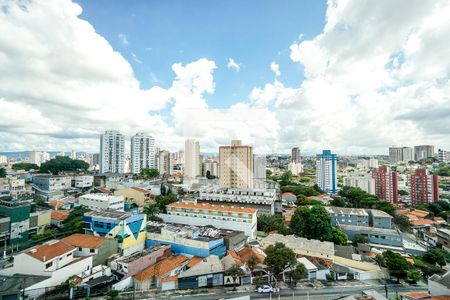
[{"x": 266, "y": 289}]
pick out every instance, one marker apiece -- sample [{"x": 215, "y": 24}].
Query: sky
[{"x": 352, "y": 76}]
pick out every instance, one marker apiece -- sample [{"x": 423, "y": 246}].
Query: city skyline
[{"x": 330, "y": 81}]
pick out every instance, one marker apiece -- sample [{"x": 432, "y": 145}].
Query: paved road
[{"x": 325, "y": 293}]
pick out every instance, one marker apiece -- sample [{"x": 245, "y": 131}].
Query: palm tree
[{"x": 152, "y": 211}]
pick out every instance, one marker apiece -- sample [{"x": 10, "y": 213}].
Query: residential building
[
  {"x": 38, "y": 157},
  {"x": 101, "y": 201},
  {"x": 236, "y": 166},
  {"x": 295, "y": 155},
  {"x": 424, "y": 187},
  {"x": 164, "y": 163},
  {"x": 3, "y": 159},
  {"x": 112, "y": 152},
  {"x": 143, "y": 152},
  {"x": 400, "y": 154},
  {"x": 443, "y": 238},
  {"x": 261, "y": 199},
  {"x": 58, "y": 217},
  {"x": 16, "y": 186},
  {"x": 301, "y": 246},
  {"x": 326, "y": 168},
  {"x": 386, "y": 184},
  {"x": 100, "y": 248},
  {"x": 191, "y": 159},
  {"x": 364, "y": 181},
  {"x": 295, "y": 168},
  {"x": 152, "y": 277},
  {"x": 129, "y": 229},
  {"x": 50, "y": 187},
  {"x": 130, "y": 265},
  {"x": 423, "y": 152},
  {"x": 368, "y": 163},
  {"x": 4, "y": 188},
  {"x": 54, "y": 259},
  {"x": 221, "y": 216},
  {"x": 439, "y": 285},
  {"x": 208, "y": 272},
  {"x": 313, "y": 271},
  {"x": 20, "y": 219},
  {"x": 259, "y": 167},
  {"x": 83, "y": 181},
  {"x": 443, "y": 155},
  {"x": 188, "y": 240},
  {"x": 348, "y": 216},
  {"x": 211, "y": 166},
  {"x": 137, "y": 195}
]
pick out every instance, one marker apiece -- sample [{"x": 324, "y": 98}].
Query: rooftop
[
  {"x": 207, "y": 206},
  {"x": 209, "y": 265},
  {"x": 369, "y": 229},
  {"x": 346, "y": 211},
  {"x": 98, "y": 196},
  {"x": 110, "y": 214},
  {"x": 60, "y": 215},
  {"x": 422, "y": 222},
  {"x": 50, "y": 250},
  {"x": 139, "y": 189},
  {"x": 145, "y": 252},
  {"x": 295, "y": 242},
  {"x": 379, "y": 213},
  {"x": 84, "y": 240},
  {"x": 161, "y": 268}
]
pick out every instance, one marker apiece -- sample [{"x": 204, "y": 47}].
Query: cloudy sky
[{"x": 352, "y": 76}]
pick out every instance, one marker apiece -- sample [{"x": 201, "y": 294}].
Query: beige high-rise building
[
  {"x": 192, "y": 161},
  {"x": 236, "y": 165}
]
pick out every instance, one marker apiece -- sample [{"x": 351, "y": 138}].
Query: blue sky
[{"x": 253, "y": 33}]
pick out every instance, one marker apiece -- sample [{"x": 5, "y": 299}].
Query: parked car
[{"x": 265, "y": 289}]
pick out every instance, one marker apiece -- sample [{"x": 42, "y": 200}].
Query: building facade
[
  {"x": 295, "y": 155},
  {"x": 51, "y": 186},
  {"x": 220, "y": 216},
  {"x": 364, "y": 181},
  {"x": 164, "y": 163},
  {"x": 259, "y": 167},
  {"x": 386, "y": 184},
  {"x": 423, "y": 152},
  {"x": 400, "y": 154},
  {"x": 326, "y": 170},
  {"x": 236, "y": 166},
  {"x": 112, "y": 152},
  {"x": 143, "y": 152},
  {"x": 192, "y": 159},
  {"x": 101, "y": 201},
  {"x": 424, "y": 187}
]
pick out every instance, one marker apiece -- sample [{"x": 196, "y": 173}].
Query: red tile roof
[
  {"x": 50, "y": 250},
  {"x": 140, "y": 189},
  {"x": 247, "y": 252},
  {"x": 422, "y": 222},
  {"x": 59, "y": 215},
  {"x": 84, "y": 240},
  {"x": 56, "y": 203},
  {"x": 195, "y": 260},
  {"x": 161, "y": 268},
  {"x": 171, "y": 278}
]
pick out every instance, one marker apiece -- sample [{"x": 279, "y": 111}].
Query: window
[
  {"x": 80, "y": 249},
  {"x": 92, "y": 250},
  {"x": 48, "y": 265}
]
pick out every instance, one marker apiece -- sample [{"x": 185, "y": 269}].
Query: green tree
[
  {"x": 2, "y": 173},
  {"x": 74, "y": 222},
  {"x": 339, "y": 202},
  {"x": 112, "y": 294},
  {"x": 279, "y": 258},
  {"x": 312, "y": 223},
  {"x": 359, "y": 239},
  {"x": 414, "y": 276},
  {"x": 163, "y": 201},
  {"x": 150, "y": 172},
  {"x": 268, "y": 223},
  {"x": 235, "y": 272},
  {"x": 268, "y": 173},
  {"x": 25, "y": 166},
  {"x": 63, "y": 163},
  {"x": 152, "y": 211},
  {"x": 396, "y": 264},
  {"x": 252, "y": 262},
  {"x": 338, "y": 236},
  {"x": 402, "y": 192},
  {"x": 298, "y": 272},
  {"x": 286, "y": 178},
  {"x": 437, "y": 256},
  {"x": 402, "y": 223},
  {"x": 209, "y": 176}
]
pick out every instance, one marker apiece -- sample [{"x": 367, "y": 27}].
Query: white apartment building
[
  {"x": 112, "y": 152},
  {"x": 212, "y": 166},
  {"x": 38, "y": 157},
  {"x": 51, "y": 186},
  {"x": 220, "y": 216},
  {"x": 326, "y": 171},
  {"x": 192, "y": 160},
  {"x": 3, "y": 159},
  {"x": 16, "y": 186},
  {"x": 98, "y": 202},
  {"x": 364, "y": 181},
  {"x": 236, "y": 166},
  {"x": 296, "y": 168},
  {"x": 371, "y": 163},
  {"x": 83, "y": 181},
  {"x": 164, "y": 163},
  {"x": 261, "y": 199},
  {"x": 53, "y": 259},
  {"x": 400, "y": 154},
  {"x": 143, "y": 152},
  {"x": 443, "y": 155},
  {"x": 259, "y": 167}
]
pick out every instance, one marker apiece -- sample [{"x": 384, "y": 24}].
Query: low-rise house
[
  {"x": 439, "y": 284},
  {"x": 313, "y": 272},
  {"x": 126, "y": 266},
  {"x": 301, "y": 246},
  {"x": 136, "y": 195},
  {"x": 83, "y": 181},
  {"x": 58, "y": 205},
  {"x": 100, "y": 274},
  {"x": 380, "y": 236},
  {"x": 53, "y": 259},
  {"x": 19, "y": 285},
  {"x": 443, "y": 238},
  {"x": 207, "y": 273},
  {"x": 58, "y": 217},
  {"x": 127, "y": 228},
  {"x": 152, "y": 276},
  {"x": 100, "y": 202},
  {"x": 344, "y": 269},
  {"x": 51, "y": 187},
  {"x": 189, "y": 240},
  {"x": 100, "y": 248},
  {"x": 224, "y": 217}
]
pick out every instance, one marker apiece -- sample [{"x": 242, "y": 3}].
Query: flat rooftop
[
  {"x": 110, "y": 214},
  {"x": 209, "y": 232},
  {"x": 346, "y": 211},
  {"x": 379, "y": 213},
  {"x": 369, "y": 229},
  {"x": 212, "y": 207},
  {"x": 137, "y": 255}
]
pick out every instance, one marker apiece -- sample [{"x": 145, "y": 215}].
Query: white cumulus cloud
[{"x": 233, "y": 65}]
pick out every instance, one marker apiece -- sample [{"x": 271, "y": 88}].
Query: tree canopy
[
  {"x": 2, "y": 173},
  {"x": 63, "y": 163},
  {"x": 437, "y": 256},
  {"x": 338, "y": 236},
  {"x": 150, "y": 172},
  {"x": 396, "y": 264},
  {"x": 312, "y": 223},
  {"x": 357, "y": 198},
  {"x": 268, "y": 223},
  {"x": 25, "y": 166},
  {"x": 163, "y": 201},
  {"x": 359, "y": 239},
  {"x": 298, "y": 272},
  {"x": 402, "y": 223},
  {"x": 279, "y": 258}
]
